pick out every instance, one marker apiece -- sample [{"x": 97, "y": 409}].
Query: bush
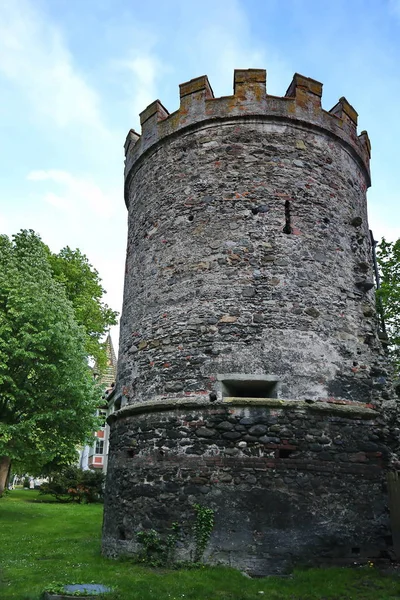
[{"x": 75, "y": 485}]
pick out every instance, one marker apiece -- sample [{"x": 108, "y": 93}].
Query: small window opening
[
  {"x": 121, "y": 533},
  {"x": 288, "y": 225},
  {"x": 99, "y": 448},
  {"x": 249, "y": 388},
  {"x": 284, "y": 453},
  {"x": 190, "y": 218}
]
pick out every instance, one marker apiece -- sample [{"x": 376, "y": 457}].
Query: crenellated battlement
[{"x": 301, "y": 103}]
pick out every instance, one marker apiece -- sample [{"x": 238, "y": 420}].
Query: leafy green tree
[
  {"x": 388, "y": 295},
  {"x": 47, "y": 394},
  {"x": 83, "y": 288}
]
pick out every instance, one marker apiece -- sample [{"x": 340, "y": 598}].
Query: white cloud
[
  {"x": 34, "y": 56},
  {"x": 223, "y": 41},
  {"x": 220, "y": 41},
  {"x": 77, "y": 193},
  {"x": 144, "y": 70},
  {"x": 68, "y": 209},
  {"x": 57, "y": 201},
  {"x": 143, "y": 74}
]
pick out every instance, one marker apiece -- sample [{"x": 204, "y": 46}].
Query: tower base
[{"x": 288, "y": 482}]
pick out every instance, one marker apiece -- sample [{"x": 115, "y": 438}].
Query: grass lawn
[{"x": 45, "y": 542}]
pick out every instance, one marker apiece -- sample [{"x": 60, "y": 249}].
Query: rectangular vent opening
[
  {"x": 249, "y": 388},
  {"x": 285, "y": 453},
  {"x": 388, "y": 540}
]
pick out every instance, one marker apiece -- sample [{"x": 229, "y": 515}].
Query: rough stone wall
[
  {"x": 288, "y": 482},
  {"x": 249, "y": 273},
  {"x": 213, "y": 288}
]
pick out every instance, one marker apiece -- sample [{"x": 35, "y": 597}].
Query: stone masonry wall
[
  {"x": 288, "y": 482},
  {"x": 250, "y": 371},
  {"x": 214, "y": 285}
]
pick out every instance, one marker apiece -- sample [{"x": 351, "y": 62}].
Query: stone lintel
[{"x": 246, "y": 377}]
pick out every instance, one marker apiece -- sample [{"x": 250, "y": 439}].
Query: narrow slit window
[{"x": 288, "y": 225}]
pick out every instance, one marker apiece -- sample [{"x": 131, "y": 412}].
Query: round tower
[{"x": 251, "y": 378}]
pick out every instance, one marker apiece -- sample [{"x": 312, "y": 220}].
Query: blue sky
[{"x": 74, "y": 75}]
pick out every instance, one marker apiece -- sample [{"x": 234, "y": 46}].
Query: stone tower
[{"x": 251, "y": 376}]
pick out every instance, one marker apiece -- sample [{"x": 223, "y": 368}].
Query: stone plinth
[{"x": 288, "y": 481}]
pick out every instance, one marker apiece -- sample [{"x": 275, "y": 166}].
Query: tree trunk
[{"x": 5, "y": 463}]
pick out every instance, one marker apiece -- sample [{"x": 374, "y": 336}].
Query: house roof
[{"x": 108, "y": 376}]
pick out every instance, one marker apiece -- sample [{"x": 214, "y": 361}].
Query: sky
[{"x": 75, "y": 74}]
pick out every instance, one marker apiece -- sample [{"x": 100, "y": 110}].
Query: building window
[{"x": 99, "y": 449}]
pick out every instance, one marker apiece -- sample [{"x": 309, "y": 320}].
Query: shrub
[{"x": 75, "y": 485}]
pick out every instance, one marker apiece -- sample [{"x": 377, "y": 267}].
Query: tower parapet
[{"x": 301, "y": 104}]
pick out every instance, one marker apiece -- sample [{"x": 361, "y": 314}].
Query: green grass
[{"x": 45, "y": 542}]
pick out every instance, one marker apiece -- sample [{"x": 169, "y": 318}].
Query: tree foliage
[
  {"x": 47, "y": 394},
  {"x": 83, "y": 288},
  {"x": 388, "y": 257}
]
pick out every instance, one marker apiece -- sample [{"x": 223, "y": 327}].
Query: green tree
[
  {"x": 388, "y": 294},
  {"x": 83, "y": 288},
  {"x": 47, "y": 394}
]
